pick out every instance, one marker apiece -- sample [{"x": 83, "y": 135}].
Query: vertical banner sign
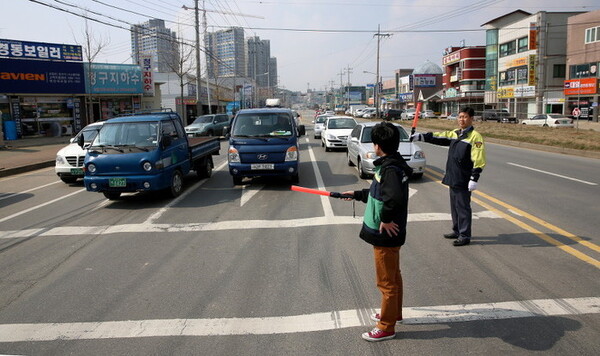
[
  {"x": 533, "y": 35},
  {"x": 77, "y": 124},
  {"x": 531, "y": 68},
  {"x": 147, "y": 79},
  {"x": 16, "y": 114}
]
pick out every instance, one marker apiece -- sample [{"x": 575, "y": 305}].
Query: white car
[
  {"x": 69, "y": 159},
  {"x": 550, "y": 120},
  {"x": 336, "y": 131},
  {"x": 361, "y": 153},
  {"x": 320, "y": 124}
]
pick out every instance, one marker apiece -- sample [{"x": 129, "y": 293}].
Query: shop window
[
  {"x": 523, "y": 44},
  {"x": 522, "y": 75},
  {"x": 507, "y": 78}
]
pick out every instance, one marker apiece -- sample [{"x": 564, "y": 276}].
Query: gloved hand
[
  {"x": 416, "y": 137},
  {"x": 472, "y": 185}
]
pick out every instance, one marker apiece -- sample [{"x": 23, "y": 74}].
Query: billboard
[
  {"x": 580, "y": 86},
  {"x": 113, "y": 79},
  {"x": 147, "y": 76},
  {"x": 41, "y": 77},
  {"x": 40, "y": 50},
  {"x": 424, "y": 80}
]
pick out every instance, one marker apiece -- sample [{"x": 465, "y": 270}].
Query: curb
[
  {"x": 553, "y": 149},
  {"x": 22, "y": 169}
]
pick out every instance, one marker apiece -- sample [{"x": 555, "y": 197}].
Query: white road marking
[
  {"x": 219, "y": 225},
  {"x": 28, "y": 190},
  {"x": 164, "y": 209},
  {"x": 552, "y": 174},
  {"x": 320, "y": 185},
  {"x": 331, "y": 320},
  {"x": 41, "y": 205},
  {"x": 248, "y": 191}
]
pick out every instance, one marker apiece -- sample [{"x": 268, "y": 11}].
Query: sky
[{"x": 314, "y": 40}]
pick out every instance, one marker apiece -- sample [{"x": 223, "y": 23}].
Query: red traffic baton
[
  {"x": 321, "y": 192},
  {"x": 416, "y": 119}
]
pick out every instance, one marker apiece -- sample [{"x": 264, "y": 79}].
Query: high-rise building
[
  {"x": 226, "y": 53},
  {"x": 259, "y": 59},
  {"x": 273, "y": 72},
  {"x": 153, "y": 38}
]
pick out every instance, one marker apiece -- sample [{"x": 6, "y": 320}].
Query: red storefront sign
[{"x": 581, "y": 86}]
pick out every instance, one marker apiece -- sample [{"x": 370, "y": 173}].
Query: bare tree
[{"x": 182, "y": 68}]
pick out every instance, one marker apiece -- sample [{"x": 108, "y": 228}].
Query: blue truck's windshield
[
  {"x": 263, "y": 125},
  {"x": 139, "y": 134}
]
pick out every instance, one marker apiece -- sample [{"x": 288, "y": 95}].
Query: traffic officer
[{"x": 466, "y": 159}]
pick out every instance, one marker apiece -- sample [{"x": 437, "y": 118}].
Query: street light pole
[
  {"x": 198, "y": 69},
  {"x": 376, "y": 96}
]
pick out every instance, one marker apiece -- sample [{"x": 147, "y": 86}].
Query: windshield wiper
[
  {"x": 105, "y": 147},
  {"x": 134, "y": 146}
]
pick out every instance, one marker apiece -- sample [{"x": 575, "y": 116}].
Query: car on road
[
  {"x": 427, "y": 114},
  {"x": 369, "y": 113},
  {"x": 452, "y": 116},
  {"x": 549, "y": 120},
  {"x": 336, "y": 131},
  {"x": 501, "y": 115},
  {"x": 391, "y": 114},
  {"x": 69, "y": 159},
  {"x": 208, "y": 125},
  {"x": 319, "y": 124},
  {"x": 408, "y": 114},
  {"x": 362, "y": 154}
]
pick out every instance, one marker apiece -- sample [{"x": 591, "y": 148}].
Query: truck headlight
[
  {"x": 147, "y": 166},
  {"x": 419, "y": 155},
  {"x": 233, "y": 155},
  {"x": 91, "y": 168},
  {"x": 291, "y": 154}
]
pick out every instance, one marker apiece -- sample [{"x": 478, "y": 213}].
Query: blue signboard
[
  {"x": 405, "y": 97},
  {"x": 114, "y": 79},
  {"x": 41, "y": 77},
  {"x": 40, "y": 50}
]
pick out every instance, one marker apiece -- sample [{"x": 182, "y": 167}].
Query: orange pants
[{"x": 389, "y": 282}]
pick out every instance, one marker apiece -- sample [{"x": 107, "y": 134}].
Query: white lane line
[
  {"x": 188, "y": 191},
  {"x": 220, "y": 225},
  {"x": 28, "y": 190},
  {"x": 320, "y": 185},
  {"x": 552, "y": 174},
  {"x": 39, "y": 206},
  {"x": 332, "y": 320},
  {"x": 248, "y": 191}
]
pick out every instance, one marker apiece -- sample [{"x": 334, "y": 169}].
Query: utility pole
[
  {"x": 208, "y": 51},
  {"x": 198, "y": 69},
  {"x": 376, "y": 92},
  {"x": 348, "y": 71}
]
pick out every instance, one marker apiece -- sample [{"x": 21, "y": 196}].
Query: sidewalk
[{"x": 28, "y": 154}]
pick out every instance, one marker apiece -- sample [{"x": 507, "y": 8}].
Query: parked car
[
  {"x": 452, "y": 116},
  {"x": 369, "y": 113},
  {"x": 498, "y": 115},
  {"x": 550, "y": 120},
  {"x": 69, "y": 159},
  {"x": 427, "y": 114},
  {"x": 409, "y": 114},
  {"x": 391, "y": 114},
  {"x": 319, "y": 125},
  {"x": 208, "y": 125},
  {"x": 361, "y": 153},
  {"x": 336, "y": 131}
]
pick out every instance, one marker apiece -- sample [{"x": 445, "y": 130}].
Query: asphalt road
[{"x": 259, "y": 269}]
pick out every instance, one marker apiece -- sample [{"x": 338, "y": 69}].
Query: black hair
[
  {"x": 468, "y": 110},
  {"x": 386, "y": 136}
]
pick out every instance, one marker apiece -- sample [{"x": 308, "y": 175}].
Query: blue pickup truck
[
  {"x": 264, "y": 142},
  {"x": 145, "y": 153}
]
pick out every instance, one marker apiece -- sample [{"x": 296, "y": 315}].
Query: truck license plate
[
  {"x": 117, "y": 182},
  {"x": 76, "y": 171},
  {"x": 262, "y": 166}
]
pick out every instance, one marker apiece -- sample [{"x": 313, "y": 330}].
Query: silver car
[
  {"x": 320, "y": 124},
  {"x": 362, "y": 154}
]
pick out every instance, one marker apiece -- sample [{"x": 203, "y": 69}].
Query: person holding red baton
[{"x": 384, "y": 225}]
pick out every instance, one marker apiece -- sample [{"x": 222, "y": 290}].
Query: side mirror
[
  {"x": 225, "y": 130},
  {"x": 166, "y": 141},
  {"x": 301, "y": 130},
  {"x": 354, "y": 139},
  {"x": 80, "y": 141}
]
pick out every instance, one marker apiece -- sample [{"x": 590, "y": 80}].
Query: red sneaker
[
  {"x": 378, "y": 335},
  {"x": 377, "y": 318}
]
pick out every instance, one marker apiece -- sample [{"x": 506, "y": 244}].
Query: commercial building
[
  {"x": 525, "y": 62},
  {"x": 463, "y": 78},
  {"x": 226, "y": 53},
  {"x": 153, "y": 38},
  {"x": 582, "y": 84}
]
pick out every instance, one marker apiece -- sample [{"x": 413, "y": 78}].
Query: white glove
[
  {"x": 472, "y": 185},
  {"x": 416, "y": 137}
]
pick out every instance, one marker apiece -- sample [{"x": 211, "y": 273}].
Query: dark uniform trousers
[{"x": 460, "y": 208}]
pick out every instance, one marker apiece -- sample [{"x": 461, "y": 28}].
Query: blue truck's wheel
[
  {"x": 204, "y": 167},
  {"x": 176, "y": 184}
]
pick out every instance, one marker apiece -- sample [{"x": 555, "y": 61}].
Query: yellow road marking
[{"x": 531, "y": 229}]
